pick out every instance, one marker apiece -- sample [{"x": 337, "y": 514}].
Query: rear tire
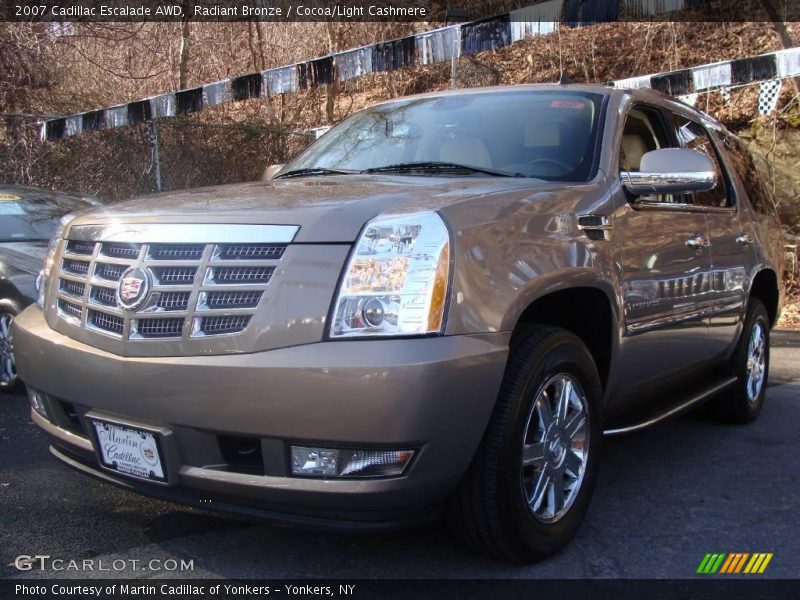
[
  {"x": 750, "y": 363},
  {"x": 530, "y": 482}
]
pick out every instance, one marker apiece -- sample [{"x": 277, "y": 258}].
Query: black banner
[
  {"x": 575, "y": 13},
  {"x": 712, "y": 588}
]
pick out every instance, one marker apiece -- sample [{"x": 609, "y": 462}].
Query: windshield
[
  {"x": 545, "y": 134},
  {"x": 28, "y": 215}
]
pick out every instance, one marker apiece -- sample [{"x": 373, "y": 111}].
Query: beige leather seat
[
  {"x": 633, "y": 148},
  {"x": 465, "y": 151}
]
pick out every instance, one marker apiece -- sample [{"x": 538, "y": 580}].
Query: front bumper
[{"x": 431, "y": 394}]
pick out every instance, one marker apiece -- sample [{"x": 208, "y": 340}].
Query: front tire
[
  {"x": 750, "y": 364},
  {"x": 529, "y": 485}
]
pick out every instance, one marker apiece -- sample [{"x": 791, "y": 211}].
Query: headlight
[
  {"x": 44, "y": 274},
  {"x": 396, "y": 281}
]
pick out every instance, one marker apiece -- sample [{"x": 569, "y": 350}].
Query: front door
[
  {"x": 665, "y": 270},
  {"x": 731, "y": 241}
]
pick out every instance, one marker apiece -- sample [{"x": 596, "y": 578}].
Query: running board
[{"x": 705, "y": 394}]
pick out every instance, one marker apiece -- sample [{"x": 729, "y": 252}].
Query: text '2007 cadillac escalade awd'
[{"x": 439, "y": 308}]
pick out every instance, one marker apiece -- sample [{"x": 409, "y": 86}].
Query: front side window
[
  {"x": 643, "y": 132},
  {"x": 543, "y": 134},
  {"x": 692, "y": 135}
]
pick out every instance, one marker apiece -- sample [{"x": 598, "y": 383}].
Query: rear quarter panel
[{"x": 765, "y": 225}]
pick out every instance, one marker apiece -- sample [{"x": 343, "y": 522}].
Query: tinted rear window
[{"x": 753, "y": 170}]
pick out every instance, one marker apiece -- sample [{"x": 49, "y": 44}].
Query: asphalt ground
[{"x": 665, "y": 498}]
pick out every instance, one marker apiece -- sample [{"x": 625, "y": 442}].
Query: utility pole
[
  {"x": 152, "y": 132},
  {"x": 454, "y": 15}
]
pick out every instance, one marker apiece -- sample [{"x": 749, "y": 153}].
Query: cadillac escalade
[{"x": 439, "y": 309}]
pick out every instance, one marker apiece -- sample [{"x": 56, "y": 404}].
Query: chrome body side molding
[{"x": 697, "y": 398}]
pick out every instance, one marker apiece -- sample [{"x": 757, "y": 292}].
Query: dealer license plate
[{"x": 129, "y": 450}]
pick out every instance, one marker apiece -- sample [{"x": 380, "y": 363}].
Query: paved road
[{"x": 665, "y": 498}]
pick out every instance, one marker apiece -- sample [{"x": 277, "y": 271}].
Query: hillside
[{"x": 87, "y": 66}]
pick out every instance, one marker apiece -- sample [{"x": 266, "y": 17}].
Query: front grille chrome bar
[{"x": 192, "y": 233}]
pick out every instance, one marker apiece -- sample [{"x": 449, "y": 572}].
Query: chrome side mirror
[
  {"x": 671, "y": 171},
  {"x": 271, "y": 171},
  {"x": 318, "y": 132}
]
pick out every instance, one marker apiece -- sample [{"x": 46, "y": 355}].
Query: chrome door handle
[
  {"x": 745, "y": 239},
  {"x": 698, "y": 242}
]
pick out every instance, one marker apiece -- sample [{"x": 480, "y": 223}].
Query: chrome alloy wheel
[
  {"x": 756, "y": 361},
  {"x": 8, "y": 366},
  {"x": 554, "y": 448}
]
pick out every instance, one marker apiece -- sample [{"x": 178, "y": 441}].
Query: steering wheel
[{"x": 567, "y": 168}]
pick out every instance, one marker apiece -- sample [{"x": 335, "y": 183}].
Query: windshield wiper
[
  {"x": 315, "y": 171},
  {"x": 438, "y": 167}
]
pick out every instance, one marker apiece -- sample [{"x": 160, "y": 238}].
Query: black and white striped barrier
[{"x": 767, "y": 70}]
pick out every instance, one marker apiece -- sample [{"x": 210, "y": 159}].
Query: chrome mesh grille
[
  {"x": 249, "y": 251},
  {"x": 69, "y": 309},
  {"x": 192, "y": 289},
  {"x": 174, "y": 300},
  {"x": 121, "y": 250},
  {"x": 111, "y": 272},
  {"x": 220, "y": 325},
  {"x": 240, "y": 274},
  {"x": 78, "y": 267},
  {"x": 175, "y": 275},
  {"x": 215, "y": 300},
  {"x": 159, "y": 328},
  {"x": 105, "y": 322},
  {"x": 176, "y": 251},
  {"x": 77, "y": 247},
  {"x": 73, "y": 288},
  {"x": 104, "y": 295}
]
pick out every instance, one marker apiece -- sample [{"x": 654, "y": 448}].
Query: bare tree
[{"x": 183, "y": 63}]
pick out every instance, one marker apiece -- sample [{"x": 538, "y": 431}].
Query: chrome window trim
[{"x": 683, "y": 207}]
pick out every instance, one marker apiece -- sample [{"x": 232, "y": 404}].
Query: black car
[{"x": 28, "y": 218}]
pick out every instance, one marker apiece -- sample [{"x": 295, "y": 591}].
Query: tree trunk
[
  {"x": 783, "y": 33},
  {"x": 334, "y": 33},
  {"x": 183, "y": 64},
  {"x": 252, "y": 45},
  {"x": 777, "y": 23}
]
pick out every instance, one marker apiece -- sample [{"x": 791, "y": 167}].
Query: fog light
[
  {"x": 333, "y": 462},
  {"x": 37, "y": 402}
]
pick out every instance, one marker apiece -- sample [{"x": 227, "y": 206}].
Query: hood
[
  {"x": 24, "y": 256},
  {"x": 327, "y": 208}
]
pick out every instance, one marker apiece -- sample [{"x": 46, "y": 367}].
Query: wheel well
[
  {"x": 765, "y": 288},
  {"x": 586, "y": 312}
]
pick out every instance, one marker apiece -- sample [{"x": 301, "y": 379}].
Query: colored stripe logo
[{"x": 735, "y": 562}]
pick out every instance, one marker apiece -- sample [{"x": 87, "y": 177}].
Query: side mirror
[
  {"x": 318, "y": 132},
  {"x": 271, "y": 171},
  {"x": 671, "y": 171}
]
